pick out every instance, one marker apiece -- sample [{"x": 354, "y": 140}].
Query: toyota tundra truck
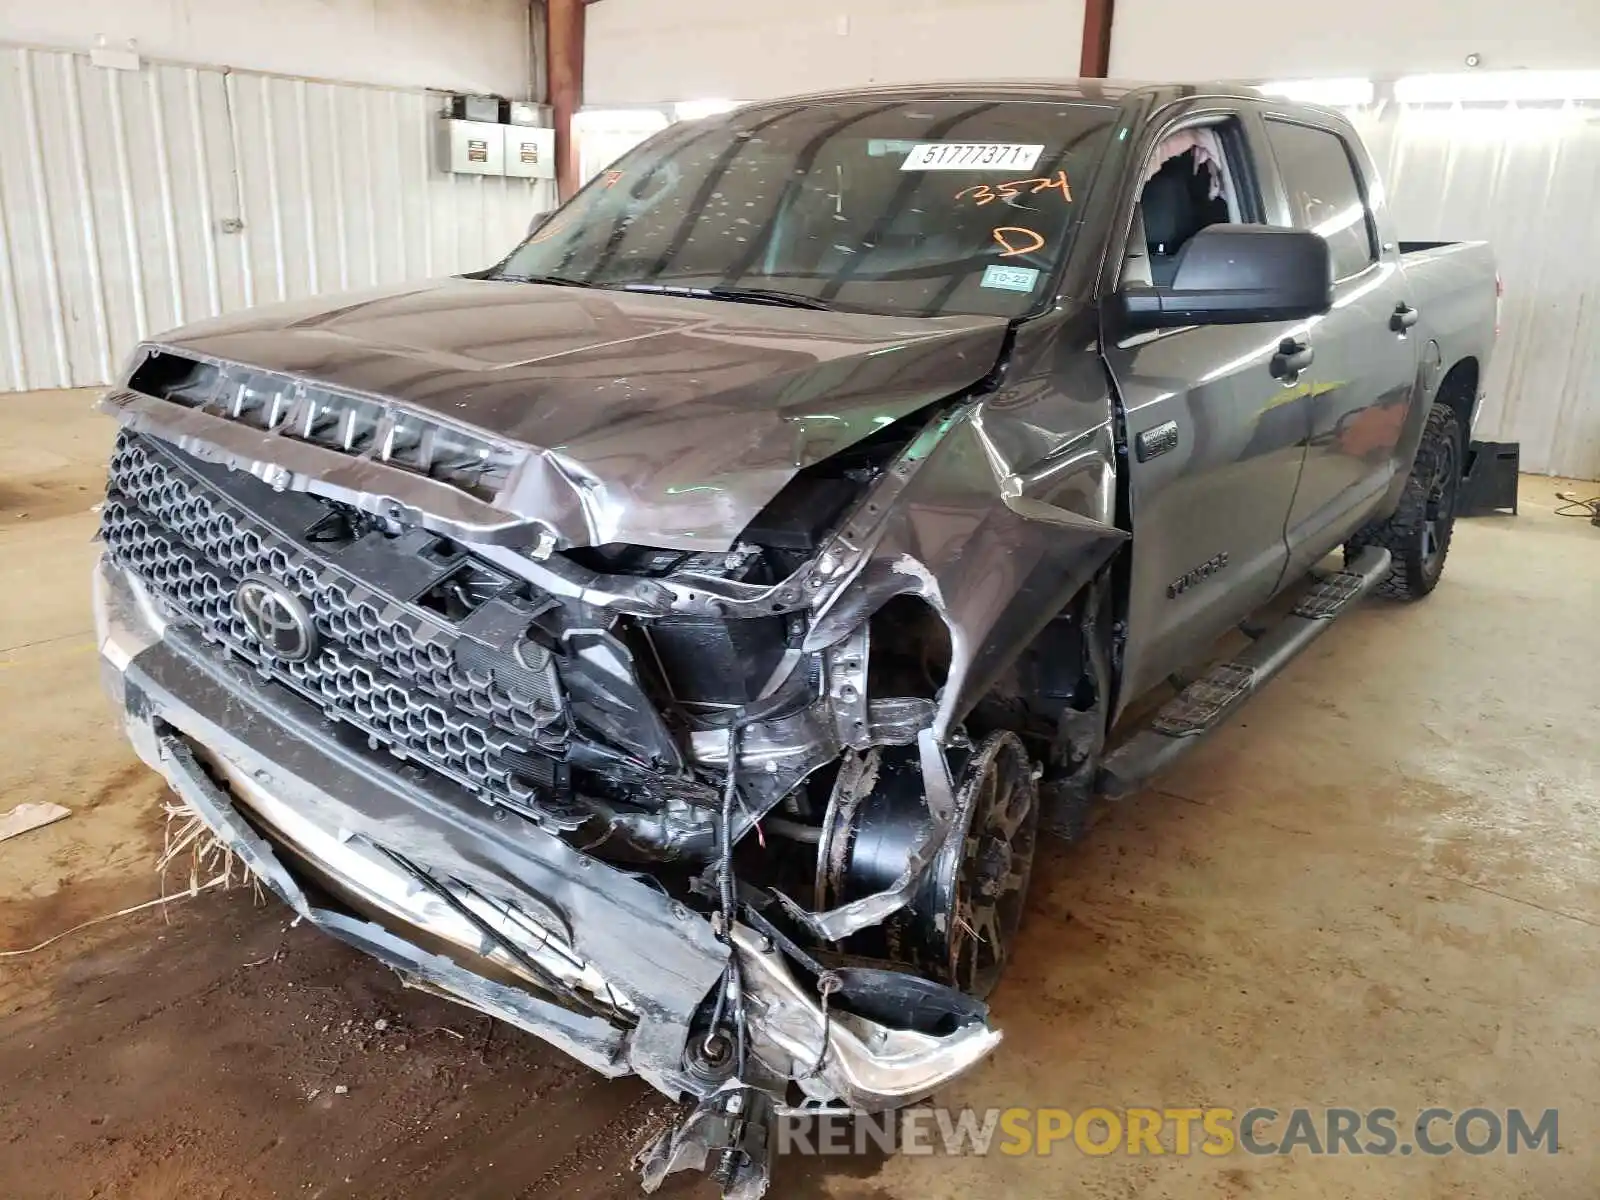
[{"x": 673, "y": 640}]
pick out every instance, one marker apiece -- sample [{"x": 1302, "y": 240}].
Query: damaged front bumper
[{"x": 473, "y": 901}]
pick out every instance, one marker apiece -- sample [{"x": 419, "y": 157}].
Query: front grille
[{"x": 415, "y": 685}]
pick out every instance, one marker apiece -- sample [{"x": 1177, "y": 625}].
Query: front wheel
[
  {"x": 1417, "y": 535},
  {"x": 962, "y": 921}
]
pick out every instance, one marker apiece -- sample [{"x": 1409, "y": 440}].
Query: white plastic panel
[
  {"x": 134, "y": 201},
  {"x": 1250, "y": 39},
  {"x": 604, "y": 136}
]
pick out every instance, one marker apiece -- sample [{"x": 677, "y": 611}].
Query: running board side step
[{"x": 1182, "y": 722}]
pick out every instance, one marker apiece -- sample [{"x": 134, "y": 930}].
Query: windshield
[{"x": 903, "y": 207}]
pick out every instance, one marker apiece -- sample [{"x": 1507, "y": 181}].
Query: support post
[
  {"x": 564, "y": 51},
  {"x": 1095, "y": 60}
]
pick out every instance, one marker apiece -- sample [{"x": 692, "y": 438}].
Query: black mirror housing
[{"x": 1236, "y": 275}]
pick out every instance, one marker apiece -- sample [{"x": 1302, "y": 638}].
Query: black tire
[{"x": 1418, "y": 533}]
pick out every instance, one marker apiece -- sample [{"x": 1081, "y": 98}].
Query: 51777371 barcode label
[{"x": 971, "y": 156}]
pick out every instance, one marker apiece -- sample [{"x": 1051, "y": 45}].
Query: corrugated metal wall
[
  {"x": 1526, "y": 177},
  {"x": 131, "y": 202}
]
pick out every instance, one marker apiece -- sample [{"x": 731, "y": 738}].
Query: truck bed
[{"x": 1453, "y": 285}]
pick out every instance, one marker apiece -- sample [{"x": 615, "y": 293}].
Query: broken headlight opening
[{"x": 774, "y": 735}]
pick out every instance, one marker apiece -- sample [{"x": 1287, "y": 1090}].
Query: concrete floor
[{"x": 1378, "y": 887}]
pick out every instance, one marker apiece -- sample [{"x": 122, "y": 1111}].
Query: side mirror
[{"x": 1235, "y": 275}]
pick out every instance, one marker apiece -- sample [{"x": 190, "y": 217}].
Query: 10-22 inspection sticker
[{"x": 971, "y": 156}]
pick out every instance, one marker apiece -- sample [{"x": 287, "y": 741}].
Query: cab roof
[{"x": 1107, "y": 91}]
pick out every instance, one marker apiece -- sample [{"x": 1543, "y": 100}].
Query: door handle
[
  {"x": 1404, "y": 317},
  {"x": 1293, "y": 356}
]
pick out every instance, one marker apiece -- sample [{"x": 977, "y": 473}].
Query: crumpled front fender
[{"x": 995, "y": 546}]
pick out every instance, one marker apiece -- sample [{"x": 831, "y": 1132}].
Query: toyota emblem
[{"x": 276, "y": 619}]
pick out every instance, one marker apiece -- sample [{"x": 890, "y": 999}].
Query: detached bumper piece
[{"x": 463, "y": 894}]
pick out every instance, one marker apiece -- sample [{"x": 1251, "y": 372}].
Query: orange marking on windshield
[
  {"x": 983, "y": 193},
  {"x": 549, "y": 230},
  {"x": 612, "y": 178},
  {"x": 1058, "y": 181},
  {"x": 1009, "y": 249}
]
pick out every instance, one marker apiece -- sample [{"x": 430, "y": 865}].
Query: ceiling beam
[
  {"x": 1095, "y": 60},
  {"x": 564, "y": 71}
]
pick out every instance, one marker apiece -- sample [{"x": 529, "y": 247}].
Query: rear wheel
[{"x": 1417, "y": 535}]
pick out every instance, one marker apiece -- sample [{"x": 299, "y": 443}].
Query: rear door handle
[
  {"x": 1404, "y": 317},
  {"x": 1293, "y": 356}
]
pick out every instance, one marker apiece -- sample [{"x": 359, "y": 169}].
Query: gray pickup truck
[{"x": 673, "y": 640}]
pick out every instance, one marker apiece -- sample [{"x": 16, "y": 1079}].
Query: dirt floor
[{"x": 1378, "y": 887}]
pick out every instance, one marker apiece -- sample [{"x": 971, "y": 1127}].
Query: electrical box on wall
[
  {"x": 474, "y": 148},
  {"x": 530, "y": 153},
  {"x": 477, "y": 108},
  {"x": 486, "y": 135},
  {"x": 526, "y": 112}
]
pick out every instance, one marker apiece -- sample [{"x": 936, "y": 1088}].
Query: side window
[
  {"x": 1323, "y": 193},
  {"x": 1190, "y": 181}
]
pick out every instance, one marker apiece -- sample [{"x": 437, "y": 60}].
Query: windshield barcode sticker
[{"x": 971, "y": 156}]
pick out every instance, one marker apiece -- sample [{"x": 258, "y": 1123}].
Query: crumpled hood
[{"x": 651, "y": 419}]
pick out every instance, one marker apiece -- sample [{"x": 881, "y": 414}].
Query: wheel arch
[{"x": 1459, "y": 391}]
